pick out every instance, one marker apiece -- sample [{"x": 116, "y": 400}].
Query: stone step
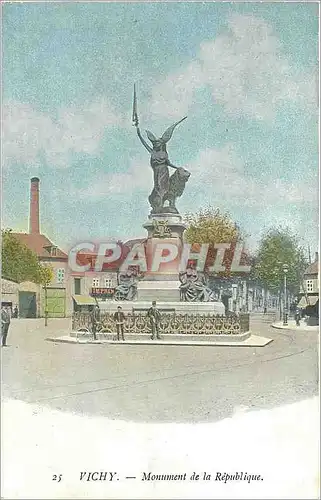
[
  {"x": 165, "y": 337},
  {"x": 250, "y": 341}
]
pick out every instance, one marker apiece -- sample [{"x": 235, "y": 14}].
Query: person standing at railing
[
  {"x": 15, "y": 312},
  {"x": 95, "y": 320},
  {"x": 119, "y": 318},
  {"x": 5, "y": 323},
  {"x": 154, "y": 318}
]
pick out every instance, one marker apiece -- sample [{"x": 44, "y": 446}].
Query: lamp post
[
  {"x": 276, "y": 275},
  {"x": 234, "y": 297},
  {"x": 285, "y": 310},
  {"x": 46, "y": 303}
]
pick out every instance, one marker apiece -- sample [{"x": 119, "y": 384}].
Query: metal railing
[{"x": 198, "y": 324}]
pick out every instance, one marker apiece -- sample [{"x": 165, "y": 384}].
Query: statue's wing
[
  {"x": 151, "y": 136},
  {"x": 168, "y": 133}
]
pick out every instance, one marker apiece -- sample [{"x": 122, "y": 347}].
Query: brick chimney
[{"x": 34, "y": 206}]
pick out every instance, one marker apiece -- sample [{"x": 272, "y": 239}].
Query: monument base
[
  {"x": 161, "y": 291},
  {"x": 189, "y": 308}
]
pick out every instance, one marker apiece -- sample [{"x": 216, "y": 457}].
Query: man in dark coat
[
  {"x": 154, "y": 318},
  {"x": 95, "y": 320},
  {"x": 119, "y": 318},
  {"x": 15, "y": 312},
  {"x": 5, "y": 323}
]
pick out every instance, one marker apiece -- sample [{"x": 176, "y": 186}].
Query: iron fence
[{"x": 169, "y": 323}]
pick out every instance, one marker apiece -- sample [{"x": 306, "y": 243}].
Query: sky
[{"x": 246, "y": 76}]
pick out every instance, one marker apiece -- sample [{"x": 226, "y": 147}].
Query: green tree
[
  {"x": 211, "y": 226},
  {"x": 19, "y": 263},
  {"x": 46, "y": 275},
  {"x": 277, "y": 248}
]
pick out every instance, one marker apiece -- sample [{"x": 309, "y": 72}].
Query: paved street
[{"x": 158, "y": 383}]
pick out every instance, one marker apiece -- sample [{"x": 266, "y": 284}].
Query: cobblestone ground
[{"x": 158, "y": 383}]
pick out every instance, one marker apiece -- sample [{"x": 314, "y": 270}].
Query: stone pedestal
[
  {"x": 171, "y": 222},
  {"x": 159, "y": 290},
  {"x": 161, "y": 283},
  {"x": 164, "y": 306}
]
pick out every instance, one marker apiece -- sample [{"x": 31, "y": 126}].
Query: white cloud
[
  {"x": 173, "y": 96},
  {"x": 245, "y": 71},
  {"x": 137, "y": 178},
  {"x": 221, "y": 174},
  {"x": 217, "y": 175},
  {"x": 221, "y": 178},
  {"x": 30, "y": 136}
]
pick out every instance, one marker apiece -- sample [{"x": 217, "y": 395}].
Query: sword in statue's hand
[
  {"x": 135, "y": 115},
  {"x": 135, "y": 123}
]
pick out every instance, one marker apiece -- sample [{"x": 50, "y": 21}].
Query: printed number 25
[{"x": 57, "y": 478}]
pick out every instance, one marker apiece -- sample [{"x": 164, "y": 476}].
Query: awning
[
  {"x": 312, "y": 300},
  {"x": 84, "y": 300}
]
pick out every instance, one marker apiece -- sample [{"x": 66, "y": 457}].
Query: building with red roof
[
  {"x": 309, "y": 301},
  {"x": 58, "y": 292}
]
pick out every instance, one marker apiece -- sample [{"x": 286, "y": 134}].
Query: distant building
[
  {"x": 27, "y": 296},
  {"x": 58, "y": 291},
  {"x": 9, "y": 293},
  {"x": 241, "y": 294},
  {"x": 309, "y": 301},
  {"x": 69, "y": 289},
  {"x": 90, "y": 287}
]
